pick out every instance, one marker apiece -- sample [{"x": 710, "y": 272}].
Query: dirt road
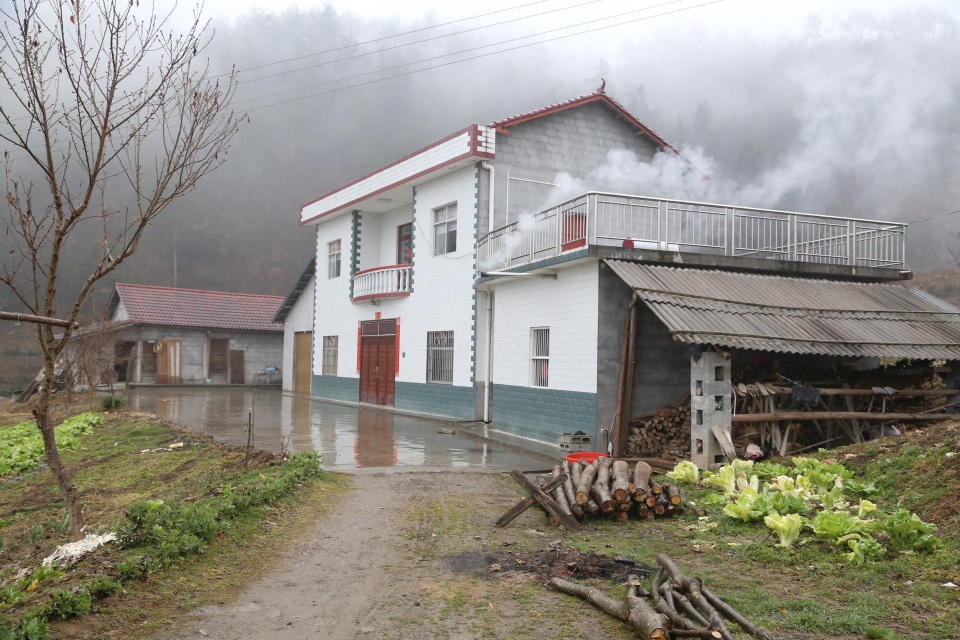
[{"x": 409, "y": 556}]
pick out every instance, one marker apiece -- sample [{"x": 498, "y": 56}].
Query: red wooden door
[{"x": 378, "y": 370}]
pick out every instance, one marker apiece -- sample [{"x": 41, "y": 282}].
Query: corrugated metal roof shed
[{"x": 796, "y": 315}]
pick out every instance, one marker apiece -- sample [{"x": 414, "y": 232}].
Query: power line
[
  {"x": 390, "y": 37},
  {"x": 483, "y": 55},
  {"x": 939, "y": 215},
  {"x": 446, "y": 64},
  {"x": 381, "y": 39},
  {"x": 445, "y": 35},
  {"x": 446, "y": 55}
]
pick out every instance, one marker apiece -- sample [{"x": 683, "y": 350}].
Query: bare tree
[{"x": 109, "y": 116}]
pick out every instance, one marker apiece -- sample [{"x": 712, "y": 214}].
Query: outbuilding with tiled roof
[{"x": 166, "y": 335}]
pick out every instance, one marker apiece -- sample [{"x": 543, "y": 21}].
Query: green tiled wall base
[
  {"x": 543, "y": 414},
  {"x": 436, "y": 399},
  {"x": 336, "y": 388}
]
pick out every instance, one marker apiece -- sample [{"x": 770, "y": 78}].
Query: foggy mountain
[{"x": 857, "y": 117}]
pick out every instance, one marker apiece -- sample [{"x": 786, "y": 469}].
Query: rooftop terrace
[{"x": 685, "y": 227}]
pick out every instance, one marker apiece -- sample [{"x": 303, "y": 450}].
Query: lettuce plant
[
  {"x": 863, "y": 549},
  {"x": 787, "y": 527},
  {"x": 685, "y": 473},
  {"x": 909, "y": 533},
  {"x": 724, "y": 479}
]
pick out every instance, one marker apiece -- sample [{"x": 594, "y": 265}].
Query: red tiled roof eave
[{"x": 146, "y": 304}]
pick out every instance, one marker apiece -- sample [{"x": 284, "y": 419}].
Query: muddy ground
[{"x": 415, "y": 556}]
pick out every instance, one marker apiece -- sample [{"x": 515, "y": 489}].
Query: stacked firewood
[
  {"x": 614, "y": 489},
  {"x": 675, "y": 606},
  {"x": 664, "y": 434}
]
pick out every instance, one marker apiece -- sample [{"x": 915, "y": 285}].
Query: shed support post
[{"x": 710, "y": 406}]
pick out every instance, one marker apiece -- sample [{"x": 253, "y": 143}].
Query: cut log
[
  {"x": 524, "y": 504},
  {"x": 561, "y": 499},
  {"x": 592, "y": 507},
  {"x": 570, "y": 493},
  {"x": 645, "y": 620},
  {"x": 674, "y": 495},
  {"x": 546, "y": 501},
  {"x": 641, "y": 476},
  {"x": 586, "y": 483},
  {"x": 601, "y": 488},
  {"x": 575, "y": 470},
  {"x": 621, "y": 481},
  {"x": 662, "y": 502}
]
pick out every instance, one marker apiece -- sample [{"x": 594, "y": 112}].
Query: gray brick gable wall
[{"x": 575, "y": 141}]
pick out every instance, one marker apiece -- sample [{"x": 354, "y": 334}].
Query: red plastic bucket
[{"x": 585, "y": 456}]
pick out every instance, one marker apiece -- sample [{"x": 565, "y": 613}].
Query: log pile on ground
[
  {"x": 617, "y": 490},
  {"x": 675, "y": 606},
  {"x": 664, "y": 434}
]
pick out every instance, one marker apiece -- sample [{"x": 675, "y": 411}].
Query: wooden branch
[
  {"x": 618, "y": 439},
  {"x": 23, "y": 317},
  {"x": 546, "y": 501},
  {"x": 807, "y": 416},
  {"x": 594, "y": 596},
  {"x": 634, "y": 611},
  {"x": 733, "y": 615},
  {"x": 525, "y": 504}
]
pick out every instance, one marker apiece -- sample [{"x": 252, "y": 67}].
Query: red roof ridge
[
  {"x": 222, "y": 293},
  {"x": 597, "y": 96}
]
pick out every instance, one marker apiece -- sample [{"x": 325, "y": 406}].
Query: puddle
[{"x": 348, "y": 437}]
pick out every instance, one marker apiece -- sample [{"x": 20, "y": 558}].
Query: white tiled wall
[
  {"x": 568, "y": 306},
  {"x": 442, "y": 297}
]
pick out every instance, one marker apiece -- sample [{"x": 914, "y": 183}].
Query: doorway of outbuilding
[{"x": 302, "y": 361}]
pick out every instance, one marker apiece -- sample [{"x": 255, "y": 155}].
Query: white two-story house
[{"x": 448, "y": 284}]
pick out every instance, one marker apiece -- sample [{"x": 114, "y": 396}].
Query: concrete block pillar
[{"x": 709, "y": 405}]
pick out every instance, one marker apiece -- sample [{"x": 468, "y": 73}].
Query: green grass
[{"x": 128, "y": 460}]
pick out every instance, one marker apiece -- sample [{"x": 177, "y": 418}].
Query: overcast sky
[{"x": 754, "y": 16}]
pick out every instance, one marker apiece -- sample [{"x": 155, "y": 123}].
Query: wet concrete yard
[{"x": 349, "y": 438}]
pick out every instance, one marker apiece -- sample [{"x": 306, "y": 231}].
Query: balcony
[
  {"x": 394, "y": 281},
  {"x": 617, "y": 220}
]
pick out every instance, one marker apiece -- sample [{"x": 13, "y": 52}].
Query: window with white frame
[
  {"x": 330, "y": 351},
  {"x": 540, "y": 357},
  {"x": 445, "y": 229},
  {"x": 440, "y": 357},
  {"x": 333, "y": 259}
]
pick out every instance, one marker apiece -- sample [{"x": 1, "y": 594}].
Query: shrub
[
  {"x": 68, "y": 604},
  {"x": 112, "y": 403}
]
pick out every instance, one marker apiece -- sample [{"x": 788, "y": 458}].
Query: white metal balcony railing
[
  {"x": 676, "y": 225},
  {"x": 382, "y": 282}
]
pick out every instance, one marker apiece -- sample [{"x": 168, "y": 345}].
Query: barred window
[
  {"x": 445, "y": 229},
  {"x": 540, "y": 357},
  {"x": 333, "y": 259},
  {"x": 440, "y": 357},
  {"x": 330, "y": 351}
]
